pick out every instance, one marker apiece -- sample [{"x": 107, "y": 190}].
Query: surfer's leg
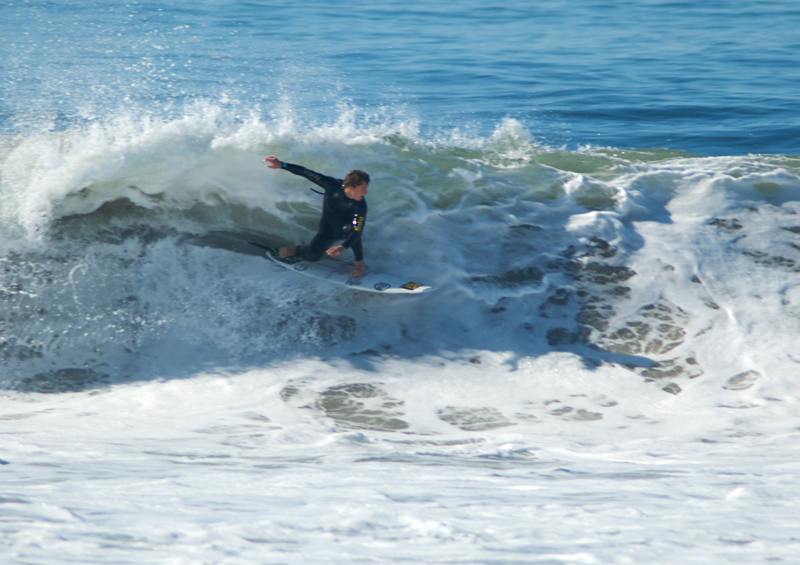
[{"x": 318, "y": 246}]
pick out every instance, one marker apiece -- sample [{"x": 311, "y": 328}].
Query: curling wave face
[{"x": 125, "y": 254}]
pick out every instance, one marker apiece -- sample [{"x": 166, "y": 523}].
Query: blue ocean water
[
  {"x": 606, "y": 196},
  {"x": 713, "y": 78}
]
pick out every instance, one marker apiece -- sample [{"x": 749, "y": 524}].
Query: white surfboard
[{"x": 338, "y": 272}]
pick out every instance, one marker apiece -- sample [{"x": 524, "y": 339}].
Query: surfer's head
[
  {"x": 354, "y": 178},
  {"x": 355, "y": 184}
]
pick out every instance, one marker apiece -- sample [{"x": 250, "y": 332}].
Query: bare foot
[{"x": 287, "y": 252}]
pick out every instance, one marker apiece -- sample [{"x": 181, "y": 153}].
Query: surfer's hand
[
  {"x": 273, "y": 162},
  {"x": 336, "y": 250},
  {"x": 358, "y": 270}
]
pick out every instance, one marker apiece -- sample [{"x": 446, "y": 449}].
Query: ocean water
[{"x": 606, "y": 194}]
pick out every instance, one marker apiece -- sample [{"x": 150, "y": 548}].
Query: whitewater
[{"x": 606, "y": 373}]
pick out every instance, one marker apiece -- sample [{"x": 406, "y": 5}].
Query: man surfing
[{"x": 344, "y": 213}]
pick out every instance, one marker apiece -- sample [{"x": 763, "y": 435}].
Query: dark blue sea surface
[{"x": 713, "y": 78}]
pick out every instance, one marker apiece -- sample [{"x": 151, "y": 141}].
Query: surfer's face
[{"x": 357, "y": 192}]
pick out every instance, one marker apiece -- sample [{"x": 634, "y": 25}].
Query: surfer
[{"x": 344, "y": 212}]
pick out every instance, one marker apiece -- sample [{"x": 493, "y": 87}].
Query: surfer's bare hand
[
  {"x": 336, "y": 250},
  {"x": 359, "y": 270},
  {"x": 273, "y": 162}
]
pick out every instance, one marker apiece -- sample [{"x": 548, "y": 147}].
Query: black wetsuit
[{"x": 342, "y": 218}]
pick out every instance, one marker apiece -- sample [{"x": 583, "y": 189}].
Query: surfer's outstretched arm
[{"x": 330, "y": 184}]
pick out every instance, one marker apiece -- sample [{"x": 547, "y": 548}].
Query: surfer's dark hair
[{"x": 355, "y": 178}]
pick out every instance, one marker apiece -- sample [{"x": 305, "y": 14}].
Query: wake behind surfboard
[{"x": 338, "y": 272}]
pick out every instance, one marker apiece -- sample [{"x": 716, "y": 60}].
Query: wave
[{"x": 125, "y": 258}]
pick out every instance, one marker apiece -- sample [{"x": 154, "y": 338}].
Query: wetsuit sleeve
[
  {"x": 358, "y": 250},
  {"x": 328, "y": 183},
  {"x": 354, "y": 239}
]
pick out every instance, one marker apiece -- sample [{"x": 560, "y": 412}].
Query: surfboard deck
[{"x": 338, "y": 272}]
